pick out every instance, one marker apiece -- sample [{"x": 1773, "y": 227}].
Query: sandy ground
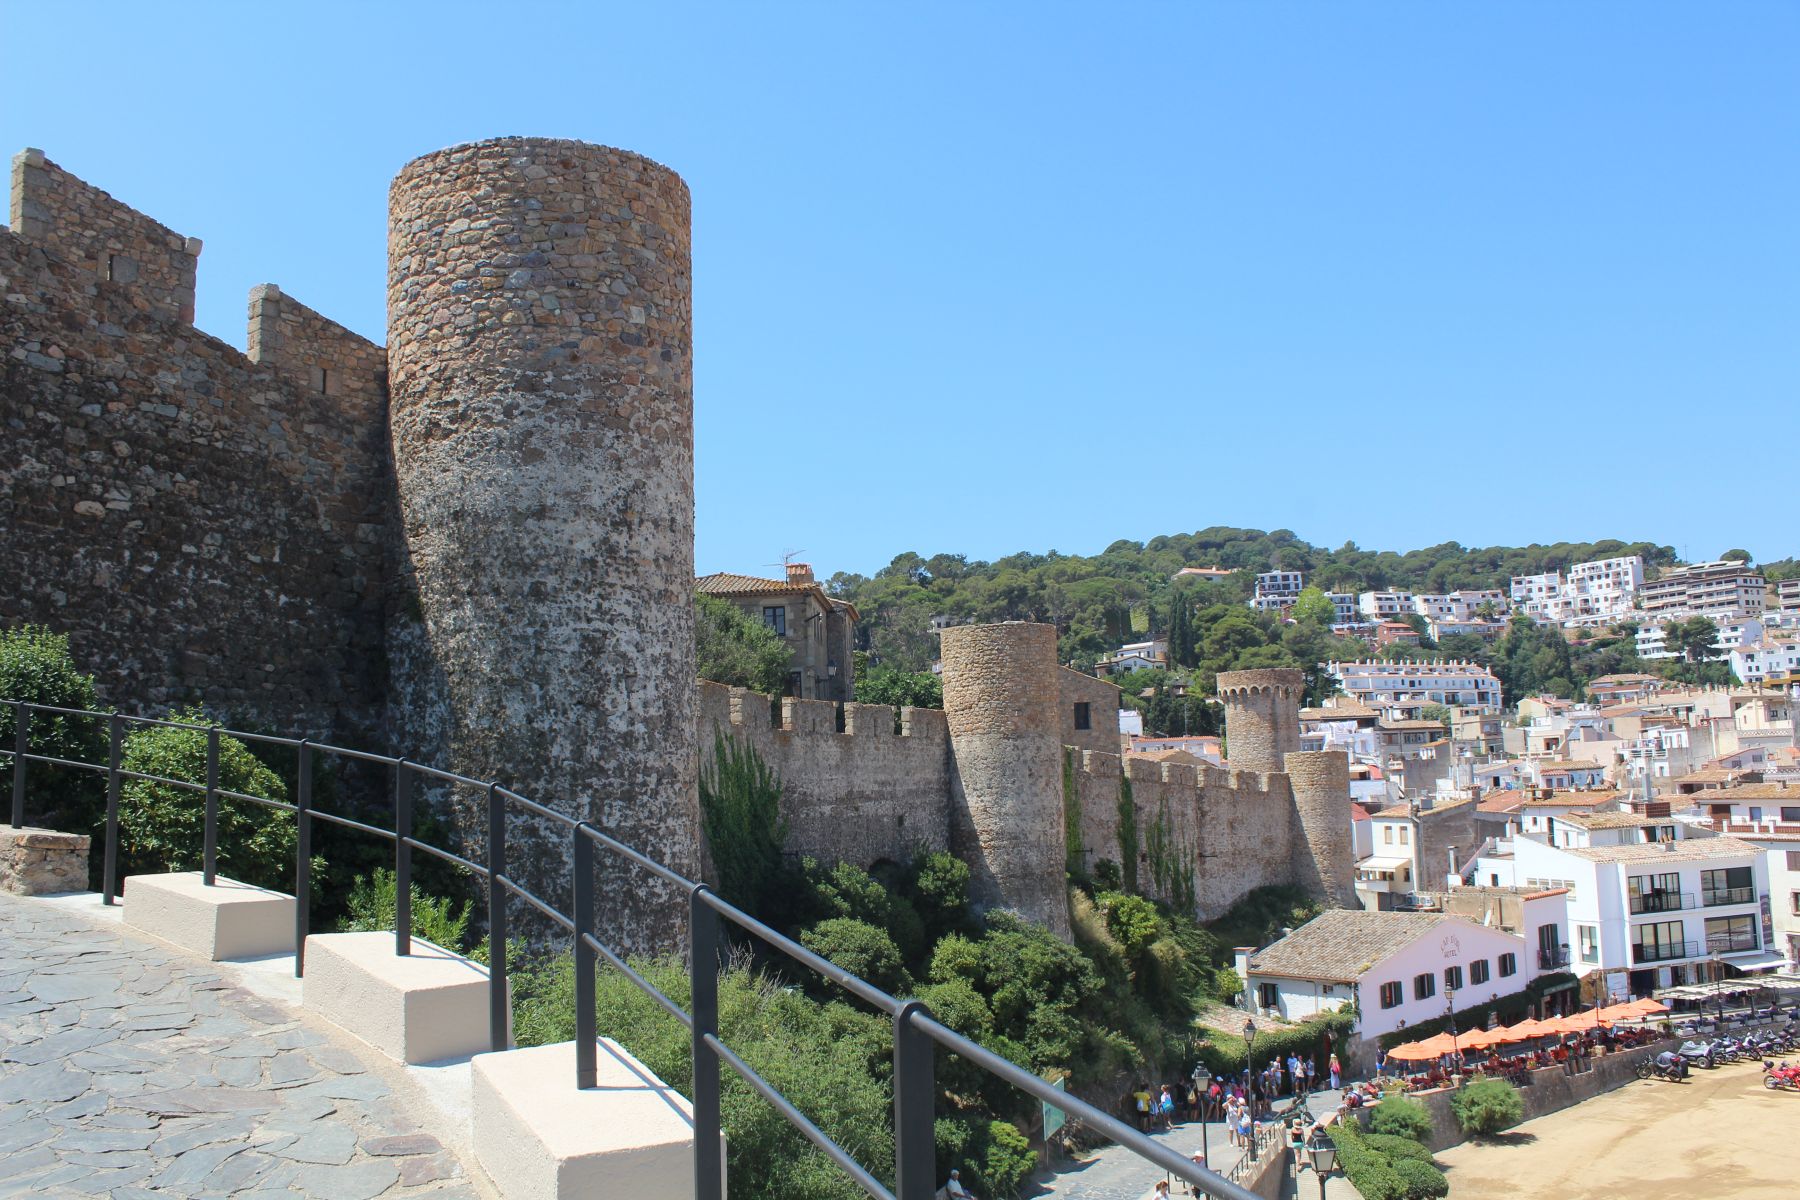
[{"x": 1719, "y": 1136}]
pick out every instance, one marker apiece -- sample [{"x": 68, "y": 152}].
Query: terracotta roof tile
[{"x": 1342, "y": 944}]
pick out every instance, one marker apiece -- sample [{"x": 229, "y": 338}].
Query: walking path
[
  {"x": 1114, "y": 1173},
  {"x": 130, "y": 1070}
]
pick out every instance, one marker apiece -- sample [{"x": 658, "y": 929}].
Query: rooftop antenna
[{"x": 787, "y": 557}]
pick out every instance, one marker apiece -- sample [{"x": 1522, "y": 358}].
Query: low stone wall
[{"x": 42, "y": 862}]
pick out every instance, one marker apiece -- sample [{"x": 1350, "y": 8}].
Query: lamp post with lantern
[
  {"x": 1323, "y": 1152},
  {"x": 1250, "y": 1078},
  {"x": 1201, "y": 1078}
]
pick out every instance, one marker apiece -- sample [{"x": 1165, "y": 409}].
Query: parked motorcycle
[
  {"x": 1667, "y": 1065},
  {"x": 1783, "y": 1076}
]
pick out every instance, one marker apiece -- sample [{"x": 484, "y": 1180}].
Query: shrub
[
  {"x": 35, "y": 666},
  {"x": 1397, "y": 1147},
  {"x": 1400, "y": 1117},
  {"x": 740, "y": 814},
  {"x": 1423, "y": 1181},
  {"x": 1369, "y": 1171},
  {"x": 733, "y": 647},
  {"x": 860, "y": 948},
  {"x": 1006, "y": 1161},
  {"x": 372, "y": 904},
  {"x": 162, "y": 826},
  {"x": 1228, "y": 985},
  {"x": 1487, "y": 1106}
]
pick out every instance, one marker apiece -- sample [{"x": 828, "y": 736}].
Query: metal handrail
[{"x": 917, "y": 1034}]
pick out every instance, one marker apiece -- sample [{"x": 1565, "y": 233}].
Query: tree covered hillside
[{"x": 1130, "y": 589}]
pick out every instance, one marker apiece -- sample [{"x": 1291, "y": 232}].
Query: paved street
[
  {"x": 1112, "y": 1173},
  {"x": 134, "y": 1072}
]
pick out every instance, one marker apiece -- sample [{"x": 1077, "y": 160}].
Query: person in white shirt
[{"x": 953, "y": 1188}]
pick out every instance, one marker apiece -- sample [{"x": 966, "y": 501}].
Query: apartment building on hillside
[
  {"x": 1399, "y": 690},
  {"x": 1726, "y": 589},
  {"x": 1277, "y": 590},
  {"x": 1588, "y": 593}
]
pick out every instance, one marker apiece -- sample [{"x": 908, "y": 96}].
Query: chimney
[{"x": 799, "y": 573}]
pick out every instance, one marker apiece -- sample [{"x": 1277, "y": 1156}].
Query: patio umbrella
[
  {"x": 1481, "y": 1039},
  {"x": 1648, "y": 1008},
  {"x": 1525, "y": 1030},
  {"x": 1620, "y": 1012},
  {"x": 1580, "y": 1022},
  {"x": 1435, "y": 1046}
]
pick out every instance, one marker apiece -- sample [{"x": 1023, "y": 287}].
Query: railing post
[
  {"x": 402, "y": 859},
  {"x": 498, "y": 1002},
  {"x": 115, "y": 751},
  {"x": 586, "y": 1053},
  {"x": 915, "y": 1106},
  {"x": 302, "y": 856},
  {"x": 703, "y": 958},
  {"x": 210, "y": 859},
  {"x": 21, "y": 744}
]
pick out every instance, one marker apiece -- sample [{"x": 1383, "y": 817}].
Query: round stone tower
[
  {"x": 1323, "y": 860},
  {"x": 1002, "y": 702},
  {"x": 1262, "y": 716},
  {"x": 540, "y": 373}
]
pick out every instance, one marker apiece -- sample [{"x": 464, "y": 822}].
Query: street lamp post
[
  {"x": 1450, "y": 1011},
  {"x": 1201, "y": 1078},
  {"x": 1250, "y": 1078},
  {"x": 1718, "y": 967},
  {"x": 1323, "y": 1152}
]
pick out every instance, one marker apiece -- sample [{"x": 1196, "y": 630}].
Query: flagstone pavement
[{"x": 132, "y": 1071}]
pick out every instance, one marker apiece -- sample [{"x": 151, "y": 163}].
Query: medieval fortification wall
[{"x": 474, "y": 547}]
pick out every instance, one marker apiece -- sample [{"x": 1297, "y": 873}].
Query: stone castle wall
[
  {"x": 203, "y": 526},
  {"x": 541, "y": 361},
  {"x": 864, "y": 795},
  {"x": 1262, "y": 716}
]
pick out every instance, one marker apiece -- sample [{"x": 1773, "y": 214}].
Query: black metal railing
[
  {"x": 1651, "y": 902},
  {"x": 1650, "y": 952},
  {"x": 1732, "y": 943},
  {"x": 1550, "y": 958},
  {"x": 917, "y": 1035},
  {"x": 1712, "y": 897}
]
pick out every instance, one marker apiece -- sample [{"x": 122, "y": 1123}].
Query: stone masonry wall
[
  {"x": 863, "y": 795},
  {"x": 541, "y": 360},
  {"x": 1102, "y": 700},
  {"x": 1262, "y": 717},
  {"x": 1324, "y": 861},
  {"x": 42, "y": 862},
  {"x": 202, "y": 527},
  {"x": 316, "y": 353},
  {"x": 153, "y": 266}
]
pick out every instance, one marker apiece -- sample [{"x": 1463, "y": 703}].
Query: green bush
[
  {"x": 832, "y": 1061},
  {"x": 36, "y": 667},
  {"x": 373, "y": 903},
  {"x": 860, "y": 948},
  {"x": 162, "y": 826},
  {"x": 1007, "y": 1160},
  {"x": 1224, "y": 1054},
  {"x": 733, "y": 647},
  {"x": 1487, "y": 1106},
  {"x": 1401, "y": 1117},
  {"x": 1397, "y": 1147},
  {"x": 740, "y": 815},
  {"x": 1369, "y": 1171},
  {"x": 1423, "y": 1181},
  {"x": 1228, "y": 985}
]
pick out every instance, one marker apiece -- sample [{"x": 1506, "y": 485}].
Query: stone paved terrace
[{"x": 131, "y": 1070}]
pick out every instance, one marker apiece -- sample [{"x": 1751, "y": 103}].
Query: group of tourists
[{"x": 1157, "y": 1107}]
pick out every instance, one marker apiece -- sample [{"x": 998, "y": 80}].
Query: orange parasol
[
  {"x": 1580, "y": 1022},
  {"x": 1647, "y": 1007},
  {"x": 1480, "y": 1039},
  {"x": 1619, "y": 1012},
  {"x": 1525, "y": 1030}
]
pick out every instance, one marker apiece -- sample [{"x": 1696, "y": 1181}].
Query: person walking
[{"x": 1337, "y": 1072}]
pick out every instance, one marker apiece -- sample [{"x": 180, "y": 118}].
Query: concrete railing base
[
  {"x": 423, "y": 1007},
  {"x": 540, "y": 1138},
  {"x": 227, "y": 920}
]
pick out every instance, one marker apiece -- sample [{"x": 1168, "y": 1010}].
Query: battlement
[
  {"x": 123, "y": 248},
  {"x": 757, "y": 714},
  {"x": 318, "y": 354}
]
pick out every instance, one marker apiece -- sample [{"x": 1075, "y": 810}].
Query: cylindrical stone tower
[
  {"x": 1262, "y": 716},
  {"x": 540, "y": 363},
  {"x": 1003, "y": 705},
  {"x": 1323, "y": 860}
]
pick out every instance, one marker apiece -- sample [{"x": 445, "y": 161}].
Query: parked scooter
[{"x": 1667, "y": 1065}]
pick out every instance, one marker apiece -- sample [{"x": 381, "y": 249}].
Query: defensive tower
[
  {"x": 1002, "y": 704},
  {"x": 542, "y": 416},
  {"x": 1262, "y": 717},
  {"x": 1323, "y": 860}
]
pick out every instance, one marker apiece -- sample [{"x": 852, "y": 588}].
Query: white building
[
  {"x": 1589, "y": 593},
  {"x": 1343, "y": 606},
  {"x": 1136, "y": 656},
  {"x": 1460, "y": 606},
  {"x": 1753, "y": 663},
  {"x": 1652, "y": 641},
  {"x": 1277, "y": 589},
  {"x": 1384, "y": 606},
  {"x": 1399, "y": 968},
  {"x": 1724, "y": 590},
  {"x": 1409, "y": 686}
]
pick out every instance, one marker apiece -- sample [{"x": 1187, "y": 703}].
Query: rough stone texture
[
  {"x": 128, "y": 1070},
  {"x": 42, "y": 862},
  {"x": 1444, "y": 828},
  {"x": 865, "y": 795},
  {"x": 1102, "y": 700},
  {"x": 202, "y": 526},
  {"x": 1262, "y": 717},
  {"x": 1324, "y": 861},
  {"x": 1002, "y": 702},
  {"x": 541, "y": 370}
]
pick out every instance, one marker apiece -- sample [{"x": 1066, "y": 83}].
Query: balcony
[
  {"x": 1726, "y": 943},
  {"x": 1744, "y": 895},
  {"x": 1664, "y": 952},
  {"x": 1657, "y": 902},
  {"x": 1553, "y": 958}
]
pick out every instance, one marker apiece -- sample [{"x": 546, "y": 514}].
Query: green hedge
[
  {"x": 1224, "y": 1054},
  {"x": 1512, "y": 1009},
  {"x": 1399, "y": 1117},
  {"x": 1385, "y": 1167}
]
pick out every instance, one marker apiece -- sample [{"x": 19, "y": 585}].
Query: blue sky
[{"x": 989, "y": 277}]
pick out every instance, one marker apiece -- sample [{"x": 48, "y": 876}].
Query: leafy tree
[
  {"x": 162, "y": 826},
  {"x": 36, "y": 667},
  {"x": 732, "y": 647},
  {"x": 1487, "y": 1107},
  {"x": 1314, "y": 607},
  {"x": 879, "y": 684},
  {"x": 1695, "y": 639},
  {"x": 740, "y": 816},
  {"x": 860, "y": 948},
  {"x": 1742, "y": 556}
]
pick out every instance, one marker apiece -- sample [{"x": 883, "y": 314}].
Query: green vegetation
[
  {"x": 1507, "y": 1010},
  {"x": 740, "y": 814},
  {"x": 1487, "y": 1106},
  {"x": 1400, "y": 1117},
  {"x": 35, "y": 666},
  {"x": 372, "y": 905},
  {"x": 162, "y": 826},
  {"x": 1385, "y": 1167},
  {"x": 732, "y": 647},
  {"x": 877, "y": 683},
  {"x": 1073, "y": 849}
]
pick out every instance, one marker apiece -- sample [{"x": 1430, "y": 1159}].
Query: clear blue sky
[{"x": 990, "y": 277}]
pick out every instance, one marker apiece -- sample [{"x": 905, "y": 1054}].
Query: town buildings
[
  {"x": 1589, "y": 593},
  {"x": 818, "y": 629},
  {"x": 1724, "y": 590},
  {"x": 1401, "y": 689},
  {"x": 1276, "y": 590},
  {"x": 1384, "y": 606}
]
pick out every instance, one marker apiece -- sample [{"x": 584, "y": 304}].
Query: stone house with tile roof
[{"x": 818, "y": 629}]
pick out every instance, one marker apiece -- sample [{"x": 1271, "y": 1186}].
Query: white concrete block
[
  {"x": 226, "y": 920},
  {"x": 423, "y": 1007},
  {"x": 540, "y": 1138}
]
